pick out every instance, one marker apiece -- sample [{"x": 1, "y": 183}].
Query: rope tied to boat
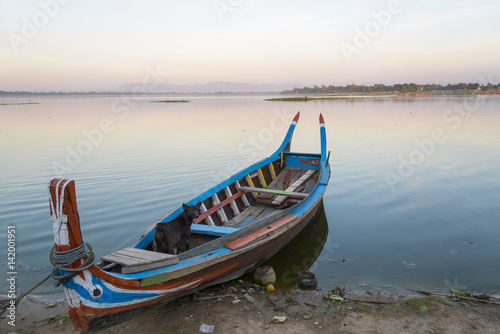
[
  {"x": 68, "y": 257},
  {"x": 60, "y": 260}
]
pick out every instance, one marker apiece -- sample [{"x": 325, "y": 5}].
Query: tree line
[{"x": 396, "y": 88}]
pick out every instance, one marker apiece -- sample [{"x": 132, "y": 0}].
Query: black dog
[{"x": 169, "y": 235}]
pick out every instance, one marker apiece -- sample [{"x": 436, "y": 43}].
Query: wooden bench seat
[
  {"x": 274, "y": 192},
  {"x": 296, "y": 184},
  {"x": 134, "y": 260},
  {"x": 273, "y": 195}
]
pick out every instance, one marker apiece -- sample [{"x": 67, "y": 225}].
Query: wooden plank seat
[
  {"x": 274, "y": 192},
  {"x": 135, "y": 260},
  {"x": 275, "y": 197},
  {"x": 296, "y": 184}
]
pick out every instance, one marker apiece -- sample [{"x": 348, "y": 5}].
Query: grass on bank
[{"x": 427, "y": 304}]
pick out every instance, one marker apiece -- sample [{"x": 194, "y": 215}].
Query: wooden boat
[{"x": 243, "y": 221}]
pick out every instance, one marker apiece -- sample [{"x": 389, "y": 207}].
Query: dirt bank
[{"x": 305, "y": 312}]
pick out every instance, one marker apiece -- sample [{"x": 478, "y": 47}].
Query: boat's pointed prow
[
  {"x": 285, "y": 145},
  {"x": 322, "y": 131}
]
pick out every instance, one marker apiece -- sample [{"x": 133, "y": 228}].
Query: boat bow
[{"x": 287, "y": 141}]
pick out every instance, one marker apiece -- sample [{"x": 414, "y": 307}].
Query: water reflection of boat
[
  {"x": 301, "y": 253},
  {"x": 242, "y": 222}
]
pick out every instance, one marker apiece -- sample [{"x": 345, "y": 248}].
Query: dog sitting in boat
[{"x": 168, "y": 235}]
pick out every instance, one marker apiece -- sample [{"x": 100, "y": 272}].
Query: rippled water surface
[{"x": 413, "y": 200}]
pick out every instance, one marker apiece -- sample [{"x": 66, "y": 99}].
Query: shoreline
[
  {"x": 250, "y": 94},
  {"x": 229, "y": 308}
]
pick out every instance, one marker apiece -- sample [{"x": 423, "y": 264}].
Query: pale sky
[{"x": 52, "y": 45}]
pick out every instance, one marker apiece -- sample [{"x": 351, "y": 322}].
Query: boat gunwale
[
  {"x": 139, "y": 277},
  {"x": 218, "y": 244},
  {"x": 213, "y": 246},
  {"x": 146, "y": 238}
]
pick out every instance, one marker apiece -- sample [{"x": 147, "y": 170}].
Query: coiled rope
[
  {"x": 61, "y": 260},
  {"x": 65, "y": 258}
]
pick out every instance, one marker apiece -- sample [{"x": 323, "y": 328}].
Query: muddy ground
[{"x": 231, "y": 311}]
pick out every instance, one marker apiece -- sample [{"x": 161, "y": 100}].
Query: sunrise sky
[{"x": 53, "y": 45}]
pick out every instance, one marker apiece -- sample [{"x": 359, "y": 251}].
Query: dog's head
[{"x": 191, "y": 211}]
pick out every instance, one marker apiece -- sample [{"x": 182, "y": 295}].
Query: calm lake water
[{"x": 413, "y": 200}]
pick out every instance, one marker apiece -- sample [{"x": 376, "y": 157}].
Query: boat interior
[{"x": 259, "y": 194}]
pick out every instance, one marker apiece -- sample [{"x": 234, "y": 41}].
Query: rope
[
  {"x": 61, "y": 259},
  {"x": 68, "y": 257}
]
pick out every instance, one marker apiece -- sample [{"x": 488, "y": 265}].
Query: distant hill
[{"x": 211, "y": 87}]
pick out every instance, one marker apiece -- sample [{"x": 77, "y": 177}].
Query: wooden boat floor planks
[{"x": 243, "y": 221}]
